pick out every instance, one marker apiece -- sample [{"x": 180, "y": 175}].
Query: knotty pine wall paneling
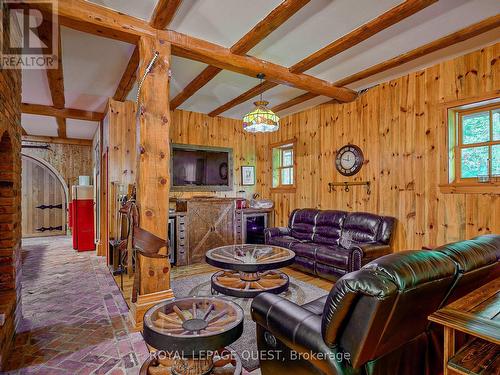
[
  {"x": 200, "y": 129},
  {"x": 69, "y": 160},
  {"x": 401, "y": 127}
]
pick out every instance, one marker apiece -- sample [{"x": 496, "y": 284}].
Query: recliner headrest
[
  {"x": 471, "y": 254},
  {"x": 409, "y": 268}
]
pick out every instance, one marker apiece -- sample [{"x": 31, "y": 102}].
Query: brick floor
[{"x": 74, "y": 316}]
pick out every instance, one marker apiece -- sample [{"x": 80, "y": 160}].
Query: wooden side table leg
[{"x": 449, "y": 348}]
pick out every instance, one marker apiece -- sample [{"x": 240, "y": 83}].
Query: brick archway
[
  {"x": 8, "y": 215},
  {"x": 10, "y": 234}
]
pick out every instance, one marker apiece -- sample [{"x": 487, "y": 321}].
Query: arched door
[{"x": 44, "y": 199}]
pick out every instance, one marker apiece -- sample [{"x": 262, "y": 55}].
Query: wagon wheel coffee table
[
  {"x": 249, "y": 270},
  {"x": 191, "y": 335}
]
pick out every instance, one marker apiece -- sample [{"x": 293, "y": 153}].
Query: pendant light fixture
[{"x": 261, "y": 119}]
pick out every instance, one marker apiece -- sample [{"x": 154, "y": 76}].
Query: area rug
[{"x": 298, "y": 292}]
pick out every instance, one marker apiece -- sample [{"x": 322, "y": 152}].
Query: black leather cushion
[
  {"x": 328, "y": 272},
  {"x": 386, "y": 229},
  {"x": 302, "y": 223},
  {"x": 413, "y": 267},
  {"x": 283, "y": 241},
  {"x": 335, "y": 256},
  {"x": 472, "y": 254},
  {"x": 343, "y": 295},
  {"x": 304, "y": 264},
  {"x": 329, "y": 227},
  {"x": 360, "y": 227},
  {"x": 305, "y": 249},
  {"x": 317, "y": 306}
]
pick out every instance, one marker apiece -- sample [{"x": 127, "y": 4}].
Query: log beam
[
  {"x": 162, "y": 16},
  {"x": 266, "y": 26},
  {"x": 69, "y": 141},
  {"x": 382, "y": 22},
  {"x": 46, "y": 110},
  {"x": 468, "y": 32},
  {"x": 221, "y": 57},
  {"x": 153, "y": 164},
  {"x": 88, "y": 17}
]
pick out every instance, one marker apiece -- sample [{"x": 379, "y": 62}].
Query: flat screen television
[{"x": 201, "y": 168}]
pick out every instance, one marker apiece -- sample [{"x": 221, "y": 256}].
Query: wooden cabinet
[{"x": 210, "y": 223}]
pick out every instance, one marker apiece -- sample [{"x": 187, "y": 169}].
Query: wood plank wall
[
  {"x": 69, "y": 160},
  {"x": 186, "y": 128},
  {"x": 200, "y": 129},
  {"x": 400, "y": 127}
]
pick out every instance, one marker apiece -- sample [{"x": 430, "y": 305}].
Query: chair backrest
[
  {"x": 329, "y": 226},
  {"x": 365, "y": 227},
  {"x": 477, "y": 261},
  {"x": 302, "y": 222},
  {"x": 373, "y": 311}
]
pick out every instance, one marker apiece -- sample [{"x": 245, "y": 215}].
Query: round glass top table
[{"x": 248, "y": 270}]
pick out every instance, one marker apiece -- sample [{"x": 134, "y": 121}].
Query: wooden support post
[{"x": 153, "y": 175}]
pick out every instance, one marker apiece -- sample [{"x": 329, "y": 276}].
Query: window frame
[
  {"x": 460, "y": 113},
  {"x": 451, "y": 181},
  {"x": 292, "y": 145}
]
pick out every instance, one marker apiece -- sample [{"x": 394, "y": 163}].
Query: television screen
[{"x": 201, "y": 168}]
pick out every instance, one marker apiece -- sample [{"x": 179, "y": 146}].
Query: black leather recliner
[{"x": 374, "y": 321}]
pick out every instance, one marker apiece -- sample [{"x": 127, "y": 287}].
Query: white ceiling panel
[
  {"x": 440, "y": 19},
  {"x": 275, "y": 96},
  {"x": 137, "y": 8},
  {"x": 224, "y": 87},
  {"x": 183, "y": 72},
  {"x": 39, "y": 125},
  {"x": 35, "y": 87},
  {"x": 318, "y": 24},
  {"x": 93, "y": 67},
  {"x": 80, "y": 128},
  {"x": 220, "y": 21}
]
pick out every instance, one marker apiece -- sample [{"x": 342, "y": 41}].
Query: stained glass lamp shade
[{"x": 261, "y": 119}]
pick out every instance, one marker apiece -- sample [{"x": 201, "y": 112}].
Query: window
[
  {"x": 477, "y": 151},
  {"x": 473, "y": 151},
  {"x": 283, "y": 158}
]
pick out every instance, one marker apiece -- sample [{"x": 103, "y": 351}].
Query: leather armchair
[{"x": 374, "y": 320}]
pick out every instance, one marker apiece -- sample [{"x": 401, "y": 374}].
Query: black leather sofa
[
  {"x": 374, "y": 321},
  {"x": 331, "y": 243}
]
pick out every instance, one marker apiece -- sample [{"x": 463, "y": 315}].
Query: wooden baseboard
[{"x": 144, "y": 303}]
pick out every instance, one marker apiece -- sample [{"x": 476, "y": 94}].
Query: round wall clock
[{"x": 349, "y": 160}]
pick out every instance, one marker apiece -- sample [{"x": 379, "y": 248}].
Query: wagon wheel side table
[
  {"x": 191, "y": 335},
  {"x": 249, "y": 270}
]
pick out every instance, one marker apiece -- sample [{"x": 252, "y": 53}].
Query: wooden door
[
  {"x": 43, "y": 200},
  {"x": 210, "y": 224}
]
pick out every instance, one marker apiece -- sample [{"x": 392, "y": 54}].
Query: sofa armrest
[
  {"x": 298, "y": 328},
  {"x": 362, "y": 253},
  {"x": 276, "y": 232}
]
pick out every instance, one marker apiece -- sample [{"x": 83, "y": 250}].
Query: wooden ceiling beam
[
  {"x": 90, "y": 17},
  {"x": 47, "y": 110},
  {"x": 162, "y": 16},
  {"x": 164, "y": 13},
  {"x": 95, "y": 19},
  {"x": 55, "y": 75},
  {"x": 221, "y": 57},
  {"x": 468, "y": 32},
  {"x": 266, "y": 26},
  {"x": 128, "y": 78},
  {"x": 70, "y": 141},
  {"x": 247, "y": 95},
  {"x": 382, "y": 22}
]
